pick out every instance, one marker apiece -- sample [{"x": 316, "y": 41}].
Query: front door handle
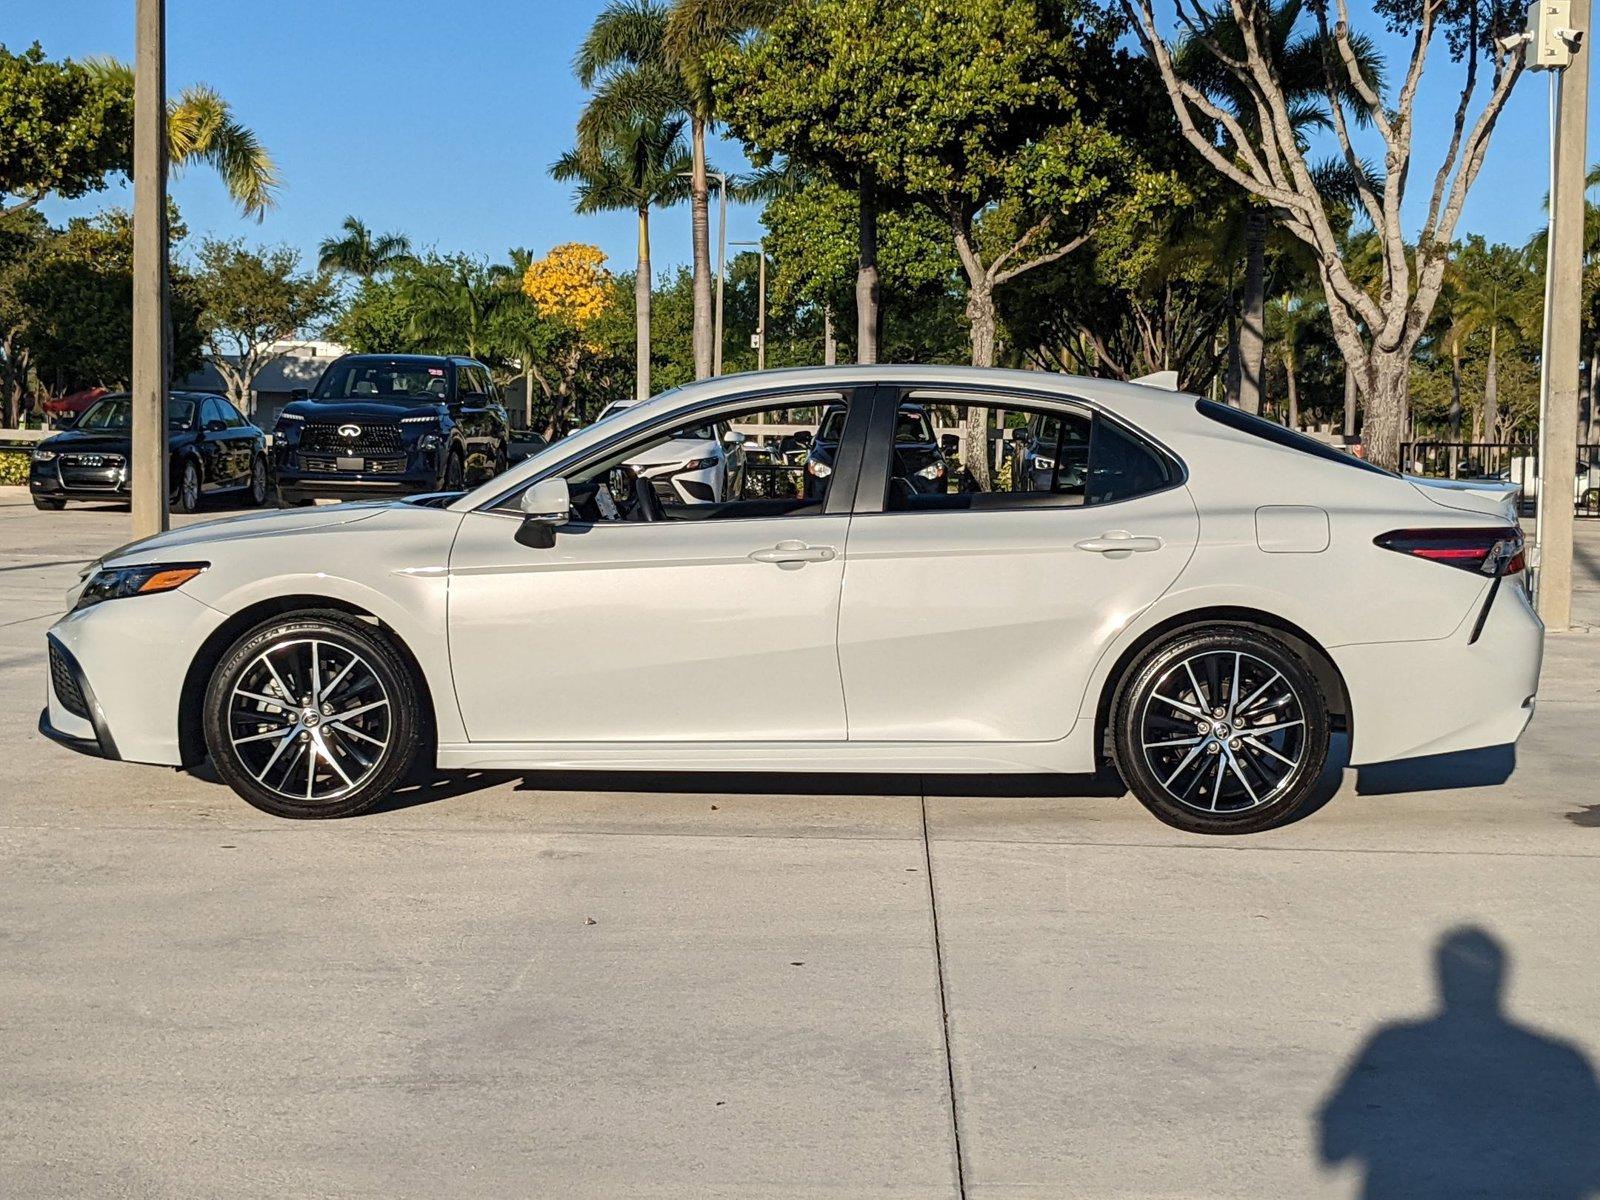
[
  {"x": 795, "y": 552},
  {"x": 1119, "y": 543}
]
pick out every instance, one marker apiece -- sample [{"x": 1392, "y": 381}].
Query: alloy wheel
[
  {"x": 309, "y": 719},
  {"x": 1223, "y": 731},
  {"x": 190, "y": 486}
]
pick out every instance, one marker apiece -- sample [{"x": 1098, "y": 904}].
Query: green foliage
[
  {"x": 251, "y": 298},
  {"x": 64, "y": 132},
  {"x": 75, "y": 302},
  {"x": 360, "y": 252}
]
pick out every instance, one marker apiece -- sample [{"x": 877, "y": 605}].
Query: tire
[
  {"x": 1249, "y": 782},
  {"x": 258, "y": 482},
  {"x": 48, "y": 504},
  {"x": 347, "y": 765},
  {"x": 1590, "y": 501},
  {"x": 187, "y": 497},
  {"x": 454, "y": 474},
  {"x": 500, "y": 464}
]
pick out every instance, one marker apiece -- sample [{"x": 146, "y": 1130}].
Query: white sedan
[{"x": 1203, "y": 606}]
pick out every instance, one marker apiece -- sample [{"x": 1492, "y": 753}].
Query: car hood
[
  {"x": 89, "y": 441},
  {"x": 678, "y": 450},
  {"x": 359, "y": 410},
  {"x": 1490, "y": 497},
  {"x": 192, "y": 540}
]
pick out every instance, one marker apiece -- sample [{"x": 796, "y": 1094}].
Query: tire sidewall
[
  {"x": 183, "y": 473},
  {"x": 392, "y": 670},
  {"x": 1152, "y": 665}
]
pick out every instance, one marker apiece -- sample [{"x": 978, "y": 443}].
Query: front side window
[
  {"x": 114, "y": 414},
  {"x": 766, "y": 461},
  {"x": 954, "y": 453}
]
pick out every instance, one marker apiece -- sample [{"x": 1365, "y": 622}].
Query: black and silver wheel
[
  {"x": 312, "y": 715},
  {"x": 188, "y": 492},
  {"x": 454, "y": 474},
  {"x": 1222, "y": 729},
  {"x": 258, "y": 481}
]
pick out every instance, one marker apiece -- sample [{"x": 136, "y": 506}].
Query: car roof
[{"x": 405, "y": 358}]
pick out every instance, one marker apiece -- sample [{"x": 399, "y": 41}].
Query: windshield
[
  {"x": 391, "y": 382},
  {"x": 832, "y": 426},
  {"x": 911, "y": 428},
  {"x": 114, "y": 414}
]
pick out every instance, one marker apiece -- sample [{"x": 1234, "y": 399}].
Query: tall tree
[
  {"x": 1376, "y": 334},
  {"x": 253, "y": 302},
  {"x": 360, "y": 252},
  {"x": 1300, "y": 55},
  {"x": 1497, "y": 296},
  {"x": 636, "y": 166}
]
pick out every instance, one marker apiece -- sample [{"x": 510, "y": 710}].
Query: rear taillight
[{"x": 1492, "y": 550}]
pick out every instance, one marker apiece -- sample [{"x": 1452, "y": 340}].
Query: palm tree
[
  {"x": 639, "y": 166},
  {"x": 1496, "y": 294},
  {"x": 361, "y": 254},
  {"x": 1302, "y": 68},
  {"x": 646, "y": 59},
  {"x": 1289, "y": 315},
  {"x": 201, "y": 128},
  {"x": 453, "y": 303}
]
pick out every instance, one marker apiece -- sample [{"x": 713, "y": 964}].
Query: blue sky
[{"x": 440, "y": 120}]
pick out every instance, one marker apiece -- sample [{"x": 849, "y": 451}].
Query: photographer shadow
[{"x": 1467, "y": 1102}]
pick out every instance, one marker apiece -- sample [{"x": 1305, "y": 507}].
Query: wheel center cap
[
  {"x": 310, "y": 718},
  {"x": 1223, "y": 730}
]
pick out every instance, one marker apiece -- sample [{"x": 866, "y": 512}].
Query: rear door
[{"x": 975, "y": 610}]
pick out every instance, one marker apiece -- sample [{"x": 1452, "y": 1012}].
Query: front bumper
[
  {"x": 129, "y": 658},
  {"x": 393, "y": 475}
]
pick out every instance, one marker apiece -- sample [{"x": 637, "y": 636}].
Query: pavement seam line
[{"x": 944, "y": 1002}]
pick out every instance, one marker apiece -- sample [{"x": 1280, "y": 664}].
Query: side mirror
[
  {"x": 950, "y": 444},
  {"x": 545, "y": 506},
  {"x": 297, "y": 394},
  {"x": 733, "y": 437}
]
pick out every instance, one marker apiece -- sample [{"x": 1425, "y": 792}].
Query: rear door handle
[
  {"x": 795, "y": 552},
  {"x": 1119, "y": 543}
]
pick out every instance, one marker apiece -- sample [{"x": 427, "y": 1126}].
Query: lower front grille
[
  {"x": 367, "y": 440},
  {"x": 65, "y": 684}
]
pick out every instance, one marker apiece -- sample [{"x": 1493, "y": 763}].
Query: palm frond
[{"x": 627, "y": 33}]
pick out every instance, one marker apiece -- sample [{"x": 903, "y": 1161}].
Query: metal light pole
[
  {"x": 1557, "y": 41},
  {"x": 761, "y": 304},
  {"x": 148, "y": 466}
]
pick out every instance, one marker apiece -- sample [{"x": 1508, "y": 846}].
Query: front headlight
[
  {"x": 698, "y": 464},
  {"x": 932, "y": 471},
  {"x": 1043, "y": 464},
  {"x": 42, "y": 455},
  {"x": 117, "y": 583},
  {"x": 429, "y": 441},
  {"x": 820, "y": 470}
]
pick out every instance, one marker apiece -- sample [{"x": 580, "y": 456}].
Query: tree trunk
[
  {"x": 830, "y": 344},
  {"x": 1455, "y": 391},
  {"x": 1349, "y": 401},
  {"x": 1292, "y": 387},
  {"x": 867, "y": 311},
  {"x": 700, "y": 220},
  {"x": 1253, "y": 310},
  {"x": 981, "y": 317},
  {"x": 1491, "y": 390},
  {"x": 1594, "y": 416},
  {"x": 1389, "y": 383},
  {"x": 641, "y": 311}
]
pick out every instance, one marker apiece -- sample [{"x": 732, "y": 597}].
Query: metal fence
[{"x": 1505, "y": 462}]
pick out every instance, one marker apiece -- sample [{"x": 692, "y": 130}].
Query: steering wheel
[{"x": 646, "y": 504}]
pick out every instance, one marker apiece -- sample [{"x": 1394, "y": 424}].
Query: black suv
[{"x": 380, "y": 424}]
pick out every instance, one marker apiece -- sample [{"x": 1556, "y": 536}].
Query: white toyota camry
[{"x": 1203, "y": 605}]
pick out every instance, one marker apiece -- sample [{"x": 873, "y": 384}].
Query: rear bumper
[{"x": 1409, "y": 699}]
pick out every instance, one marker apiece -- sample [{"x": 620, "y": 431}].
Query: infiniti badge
[{"x": 349, "y": 431}]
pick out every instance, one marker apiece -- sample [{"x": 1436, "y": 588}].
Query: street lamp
[
  {"x": 722, "y": 250},
  {"x": 761, "y": 304}
]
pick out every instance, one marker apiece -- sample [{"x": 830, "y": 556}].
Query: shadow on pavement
[
  {"x": 1466, "y": 1102},
  {"x": 1487, "y": 767}
]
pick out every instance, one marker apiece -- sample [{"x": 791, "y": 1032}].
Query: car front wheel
[
  {"x": 258, "y": 481},
  {"x": 188, "y": 498},
  {"x": 1222, "y": 729},
  {"x": 312, "y": 714}
]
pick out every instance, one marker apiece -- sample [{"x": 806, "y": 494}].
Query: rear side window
[
  {"x": 1268, "y": 431},
  {"x": 1120, "y": 467}
]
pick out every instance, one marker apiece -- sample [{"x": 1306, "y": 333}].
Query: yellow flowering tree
[
  {"x": 572, "y": 282},
  {"x": 573, "y": 294}
]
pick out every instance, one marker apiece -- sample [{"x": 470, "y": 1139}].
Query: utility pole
[
  {"x": 722, "y": 274},
  {"x": 761, "y": 303},
  {"x": 148, "y": 465},
  {"x": 1557, "y": 41}
]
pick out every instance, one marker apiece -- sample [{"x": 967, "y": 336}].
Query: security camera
[
  {"x": 1571, "y": 38},
  {"x": 1513, "y": 41}
]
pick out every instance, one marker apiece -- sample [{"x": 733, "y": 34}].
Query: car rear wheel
[
  {"x": 454, "y": 476},
  {"x": 1222, "y": 729},
  {"x": 188, "y": 495},
  {"x": 312, "y": 714},
  {"x": 258, "y": 481},
  {"x": 48, "y": 504}
]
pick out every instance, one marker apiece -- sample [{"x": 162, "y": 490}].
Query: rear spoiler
[{"x": 1458, "y": 493}]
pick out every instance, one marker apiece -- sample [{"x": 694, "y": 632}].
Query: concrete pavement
[{"x": 775, "y": 997}]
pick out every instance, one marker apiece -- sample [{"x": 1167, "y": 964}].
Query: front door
[
  {"x": 976, "y": 603},
  {"x": 647, "y": 621}
]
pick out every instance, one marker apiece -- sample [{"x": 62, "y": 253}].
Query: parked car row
[{"x": 376, "y": 425}]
